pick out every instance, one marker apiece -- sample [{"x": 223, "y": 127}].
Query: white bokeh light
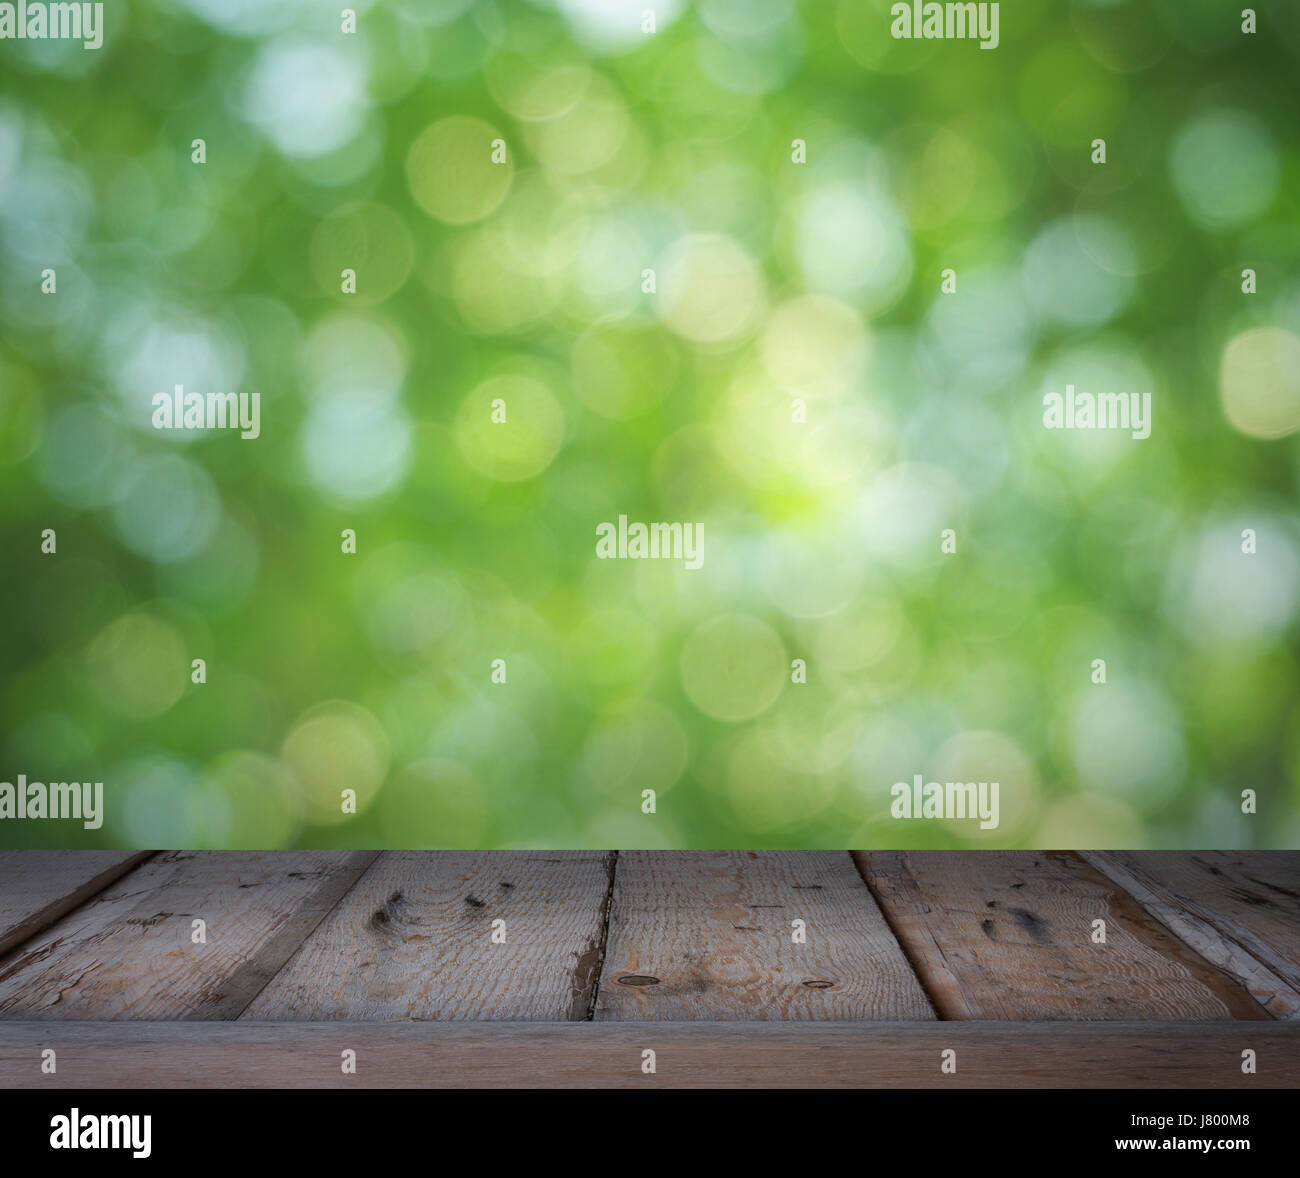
[
  {"x": 151, "y": 352},
  {"x": 355, "y": 447},
  {"x": 346, "y": 352},
  {"x": 614, "y": 26},
  {"x": 853, "y": 242},
  {"x": 166, "y": 507},
  {"x": 1217, "y": 591},
  {"x": 1127, "y": 741},
  {"x": 1080, "y": 270},
  {"x": 307, "y": 97},
  {"x": 1225, "y": 168}
]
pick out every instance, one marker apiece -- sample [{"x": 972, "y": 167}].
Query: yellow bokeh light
[
  {"x": 814, "y": 346},
  {"x": 371, "y": 240},
  {"x": 733, "y": 667},
  {"x": 510, "y": 427},
  {"x": 139, "y": 666},
  {"x": 711, "y": 291},
  {"x": 452, "y": 173},
  {"x": 1259, "y": 382},
  {"x": 333, "y": 747}
]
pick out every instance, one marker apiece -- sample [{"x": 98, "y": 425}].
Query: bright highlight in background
[{"x": 501, "y": 274}]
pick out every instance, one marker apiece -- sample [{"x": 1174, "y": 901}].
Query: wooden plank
[
  {"x": 1008, "y": 935},
  {"x": 413, "y": 940},
  {"x": 37, "y": 887},
  {"x": 1237, "y": 909},
  {"x": 708, "y": 935},
  {"x": 128, "y": 953},
  {"x": 687, "y": 1055}
]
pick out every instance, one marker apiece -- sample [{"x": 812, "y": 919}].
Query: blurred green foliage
[{"x": 796, "y": 382}]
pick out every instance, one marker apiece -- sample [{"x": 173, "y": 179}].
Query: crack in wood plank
[{"x": 590, "y": 966}]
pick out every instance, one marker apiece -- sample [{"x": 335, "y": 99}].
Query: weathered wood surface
[
  {"x": 128, "y": 953},
  {"x": 687, "y": 1055},
  {"x": 692, "y": 936},
  {"x": 413, "y": 940},
  {"x": 1008, "y": 935},
  {"x": 708, "y": 935},
  {"x": 1238, "y": 909},
  {"x": 37, "y": 887}
]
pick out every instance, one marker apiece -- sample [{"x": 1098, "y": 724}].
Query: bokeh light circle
[
  {"x": 733, "y": 667},
  {"x": 451, "y": 172},
  {"x": 336, "y": 746},
  {"x": 1259, "y": 382},
  {"x": 521, "y": 446}
]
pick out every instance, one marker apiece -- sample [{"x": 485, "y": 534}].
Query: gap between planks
[
  {"x": 1242, "y": 924},
  {"x": 586, "y": 986},
  {"x": 751, "y": 936},
  {"x": 128, "y": 952},
  {"x": 38, "y": 887}
]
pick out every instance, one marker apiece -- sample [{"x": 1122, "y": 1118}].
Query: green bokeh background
[{"x": 775, "y": 281}]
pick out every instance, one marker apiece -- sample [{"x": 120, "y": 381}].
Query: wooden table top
[{"x": 990, "y": 949}]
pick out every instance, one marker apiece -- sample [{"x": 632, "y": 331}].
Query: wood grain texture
[
  {"x": 1239, "y": 910},
  {"x": 707, "y": 935},
  {"x": 687, "y": 1055},
  {"x": 128, "y": 952},
  {"x": 413, "y": 940},
  {"x": 37, "y": 887},
  {"x": 1008, "y": 935}
]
